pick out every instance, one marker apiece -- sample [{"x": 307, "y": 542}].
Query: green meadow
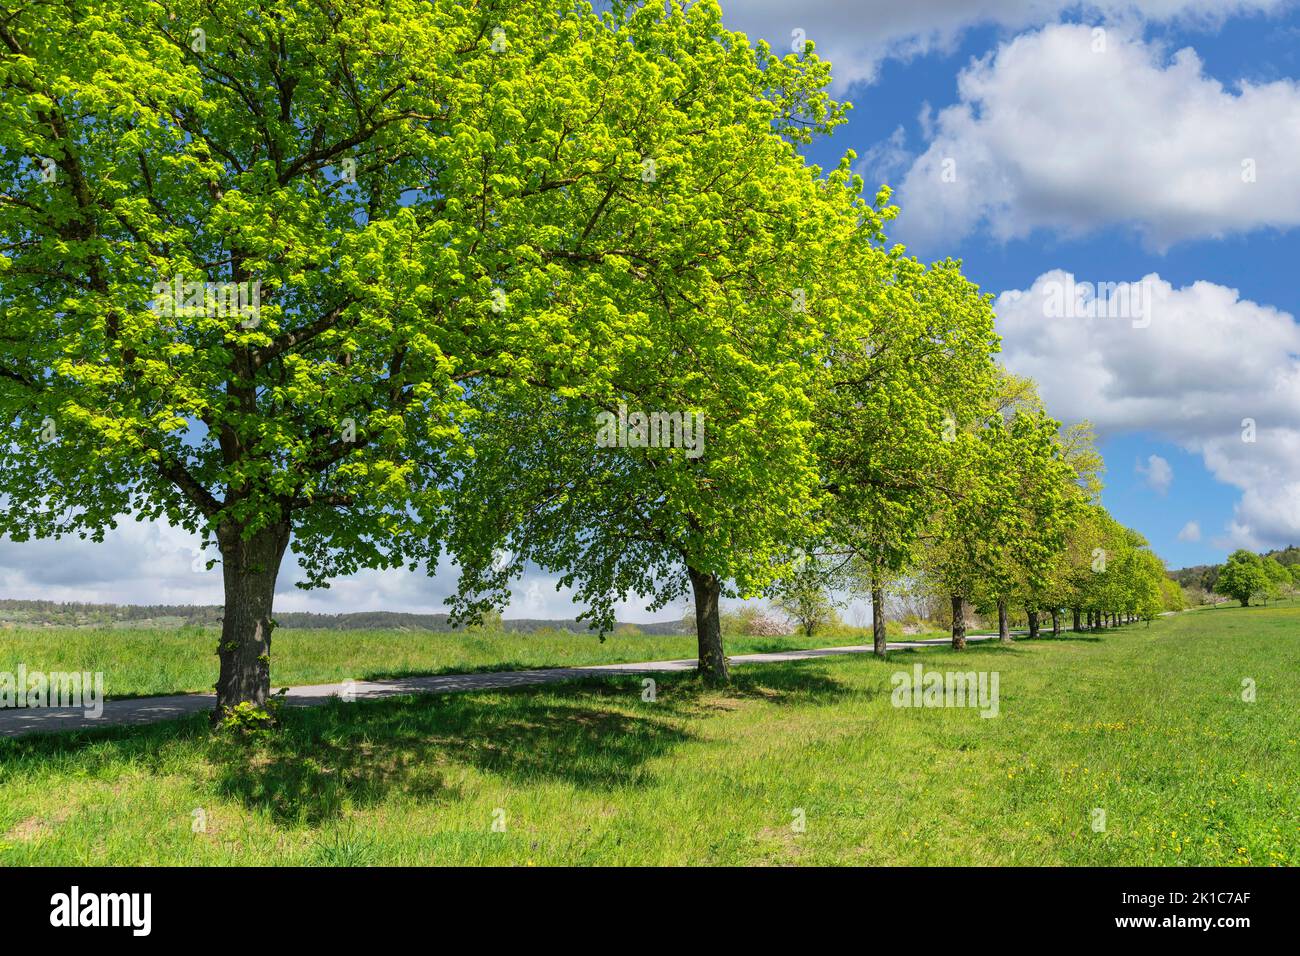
[{"x": 1125, "y": 747}]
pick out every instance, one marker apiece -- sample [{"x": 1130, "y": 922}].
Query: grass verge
[{"x": 1147, "y": 725}]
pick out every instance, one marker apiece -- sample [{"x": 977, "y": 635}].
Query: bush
[
  {"x": 750, "y": 621},
  {"x": 247, "y": 721}
]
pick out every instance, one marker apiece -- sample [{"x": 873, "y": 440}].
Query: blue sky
[{"x": 1122, "y": 141}]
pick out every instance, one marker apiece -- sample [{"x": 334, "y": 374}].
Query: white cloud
[
  {"x": 1050, "y": 134},
  {"x": 157, "y": 563},
  {"x": 1190, "y": 532},
  {"x": 1158, "y": 472},
  {"x": 1215, "y": 374},
  {"x": 886, "y": 160},
  {"x": 856, "y": 35},
  {"x": 139, "y": 562}
]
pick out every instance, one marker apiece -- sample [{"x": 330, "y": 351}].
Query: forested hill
[
  {"x": 53, "y": 613},
  {"x": 1204, "y": 575}
]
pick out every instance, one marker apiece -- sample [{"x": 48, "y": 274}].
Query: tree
[
  {"x": 1172, "y": 595},
  {"x": 806, "y": 594},
  {"x": 254, "y": 265},
  {"x": 1146, "y": 580},
  {"x": 1093, "y": 585},
  {"x": 1242, "y": 577},
  {"x": 725, "y": 277},
  {"x": 897, "y": 389},
  {"x": 1039, "y": 501},
  {"x": 1279, "y": 579},
  {"x": 1000, "y": 534}
]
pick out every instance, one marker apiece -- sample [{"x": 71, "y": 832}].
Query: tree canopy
[{"x": 532, "y": 285}]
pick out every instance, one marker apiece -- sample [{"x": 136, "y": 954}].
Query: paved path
[{"x": 146, "y": 710}]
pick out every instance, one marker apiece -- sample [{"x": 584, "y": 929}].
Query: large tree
[
  {"x": 254, "y": 261},
  {"x": 726, "y": 275}
]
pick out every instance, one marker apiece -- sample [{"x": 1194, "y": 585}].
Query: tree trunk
[
  {"x": 878, "y": 619},
  {"x": 1078, "y": 624},
  {"x": 1004, "y": 632},
  {"x": 249, "y": 567},
  {"x": 1056, "y": 622},
  {"x": 1032, "y": 613},
  {"x": 958, "y": 624},
  {"x": 708, "y": 628}
]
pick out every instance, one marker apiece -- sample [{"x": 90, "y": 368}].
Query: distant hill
[
  {"x": 53, "y": 613},
  {"x": 1205, "y": 575}
]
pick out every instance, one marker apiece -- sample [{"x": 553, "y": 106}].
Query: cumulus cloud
[
  {"x": 1203, "y": 368},
  {"x": 1190, "y": 532},
  {"x": 857, "y": 35},
  {"x": 1158, "y": 473},
  {"x": 1052, "y": 132}
]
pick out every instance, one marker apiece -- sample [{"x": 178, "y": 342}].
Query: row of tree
[
  {"x": 1004, "y": 518},
  {"x": 474, "y": 230}
]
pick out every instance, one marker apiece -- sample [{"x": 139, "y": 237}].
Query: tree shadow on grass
[
  {"x": 401, "y": 673},
  {"x": 945, "y": 652},
  {"x": 786, "y": 683},
  {"x": 326, "y": 759},
  {"x": 597, "y": 734}
]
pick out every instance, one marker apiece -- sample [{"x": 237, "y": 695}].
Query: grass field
[
  {"x": 1145, "y": 724},
  {"x": 142, "y": 663}
]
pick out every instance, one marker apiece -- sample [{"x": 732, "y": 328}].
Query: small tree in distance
[
  {"x": 1242, "y": 577},
  {"x": 807, "y": 594}
]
